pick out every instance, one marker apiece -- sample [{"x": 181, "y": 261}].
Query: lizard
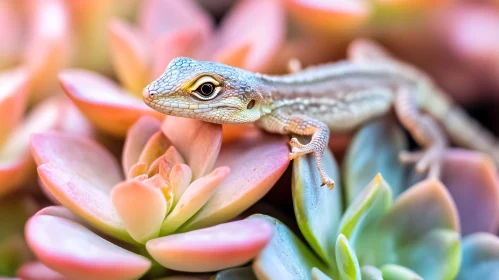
[{"x": 336, "y": 96}]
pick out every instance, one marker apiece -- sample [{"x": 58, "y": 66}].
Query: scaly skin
[{"x": 338, "y": 96}]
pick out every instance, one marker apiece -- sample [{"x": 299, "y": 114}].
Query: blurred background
[{"x": 130, "y": 42}]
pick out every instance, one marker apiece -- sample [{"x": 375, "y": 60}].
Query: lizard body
[{"x": 336, "y": 96}]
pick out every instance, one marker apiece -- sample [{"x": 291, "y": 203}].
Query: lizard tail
[{"x": 463, "y": 130}]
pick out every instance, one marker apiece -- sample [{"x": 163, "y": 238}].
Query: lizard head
[{"x": 208, "y": 91}]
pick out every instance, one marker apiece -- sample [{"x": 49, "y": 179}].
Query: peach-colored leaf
[
  {"x": 13, "y": 85},
  {"x": 171, "y": 45},
  {"x": 155, "y": 147},
  {"x": 48, "y": 46},
  {"x": 59, "y": 211},
  {"x": 330, "y": 16},
  {"x": 89, "y": 201},
  {"x": 235, "y": 55},
  {"x": 193, "y": 199},
  {"x": 180, "y": 178},
  {"x": 471, "y": 176},
  {"x": 256, "y": 164},
  {"x": 38, "y": 271},
  {"x": 141, "y": 207},
  {"x": 136, "y": 170},
  {"x": 82, "y": 156},
  {"x": 241, "y": 26},
  {"x": 11, "y": 30},
  {"x": 136, "y": 139},
  {"x": 130, "y": 56},
  {"x": 103, "y": 102},
  {"x": 197, "y": 141},
  {"x": 185, "y": 14},
  {"x": 213, "y": 248},
  {"x": 77, "y": 253}
]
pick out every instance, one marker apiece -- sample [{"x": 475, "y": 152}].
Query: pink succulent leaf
[
  {"x": 137, "y": 137},
  {"x": 182, "y": 15},
  {"x": 141, "y": 207},
  {"x": 197, "y": 141},
  {"x": 480, "y": 257},
  {"x": 234, "y": 55},
  {"x": 271, "y": 263},
  {"x": 13, "y": 86},
  {"x": 471, "y": 176},
  {"x": 171, "y": 45},
  {"x": 137, "y": 170},
  {"x": 60, "y": 211},
  {"x": 194, "y": 197},
  {"x": 130, "y": 56},
  {"x": 180, "y": 179},
  {"x": 77, "y": 253},
  {"x": 155, "y": 147},
  {"x": 48, "y": 48},
  {"x": 38, "y": 271},
  {"x": 256, "y": 164},
  {"x": 310, "y": 201},
  {"x": 214, "y": 248},
  {"x": 11, "y": 28},
  {"x": 103, "y": 102},
  {"x": 241, "y": 26},
  {"x": 15, "y": 159}
]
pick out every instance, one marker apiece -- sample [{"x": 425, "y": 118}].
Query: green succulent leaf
[
  {"x": 374, "y": 149},
  {"x": 369, "y": 272},
  {"x": 347, "y": 262},
  {"x": 396, "y": 272},
  {"x": 318, "y": 210},
  {"x": 360, "y": 221},
  {"x": 317, "y": 274},
  {"x": 423, "y": 230},
  {"x": 286, "y": 256},
  {"x": 238, "y": 273},
  {"x": 480, "y": 260}
]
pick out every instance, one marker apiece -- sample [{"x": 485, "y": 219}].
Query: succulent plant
[{"x": 171, "y": 206}]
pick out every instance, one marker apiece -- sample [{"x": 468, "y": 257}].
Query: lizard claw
[
  {"x": 429, "y": 160},
  {"x": 328, "y": 182},
  {"x": 295, "y": 143}
]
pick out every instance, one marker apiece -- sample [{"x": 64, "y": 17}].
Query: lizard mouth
[{"x": 182, "y": 108}]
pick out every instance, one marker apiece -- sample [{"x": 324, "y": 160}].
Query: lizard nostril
[{"x": 146, "y": 94}]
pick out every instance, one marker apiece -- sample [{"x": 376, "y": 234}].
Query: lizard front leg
[
  {"x": 425, "y": 131},
  {"x": 304, "y": 125}
]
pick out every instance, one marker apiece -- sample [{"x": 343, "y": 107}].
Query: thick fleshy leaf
[
  {"x": 240, "y": 27},
  {"x": 11, "y": 28},
  {"x": 16, "y": 164},
  {"x": 130, "y": 56},
  {"x": 182, "y": 15},
  {"x": 375, "y": 149},
  {"x": 256, "y": 164},
  {"x": 331, "y": 17},
  {"x": 77, "y": 253},
  {"x": 48, "y": 46},
  {"x": 312, "y": 202},
  {"x": 141, "y": 207},
  {"x": 396, "y": 272},
  {"x": 82, "y": 156},
  {"x": 317, "y": 274},
  {"x": 286, "y": 256},
  {"x": 180, "y": 179},
  {"x": 360, "y": 222},
  {"x": 13, "y": 86},
  {"x": 471, "y": 176},
  {"x": 197, "y": 141},
  {"x": 103, "y": 102},
  {"x": 213, "y": 248},
  {"x": 193, "y": 199},
  {"x": 424, "y": 222},
  {"x": 60, "y": 211},
  {"x": 155, "y": 147},
  {"x": 38, "y": 271},
  {"x": 137, "y": 137},
  {"x": 480, "y": 254},
  {"x": 348, "y": 265},
  {"x": 239, "y": 273},
  {"x": 371, "y": 273}
]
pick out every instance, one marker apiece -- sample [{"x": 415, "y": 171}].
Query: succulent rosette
[
  {"x": 141, "y": 53},
  {"x": 377, "y": 227},
  {"x": 169, "y": 209}
]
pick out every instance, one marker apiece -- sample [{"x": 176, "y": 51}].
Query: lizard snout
[{"x": 148, "y": 94}]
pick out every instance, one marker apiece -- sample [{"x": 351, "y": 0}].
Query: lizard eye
[{"x": 205, "y": 88}]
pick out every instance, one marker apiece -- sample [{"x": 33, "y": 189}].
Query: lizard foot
[
  {"x": 328, "y": 182},
  {"x": 429, "y": 160},
  {"x": 298, "y": 149}
]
